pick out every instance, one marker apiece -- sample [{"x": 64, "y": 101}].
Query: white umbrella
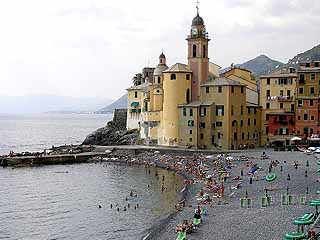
[{"x": 296, "y": 139}]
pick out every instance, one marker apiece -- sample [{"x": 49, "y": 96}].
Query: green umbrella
[
  {"x": 271, "y": 177},
  {"x": 294, "y": 236}
]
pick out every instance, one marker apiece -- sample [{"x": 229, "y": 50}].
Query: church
[{"x": 195, "y": 105}]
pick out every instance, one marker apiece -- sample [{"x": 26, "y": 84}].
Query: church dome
[
  {"x": 162, "y": 56},
  {"x": 159, "y": 70},
  {"x": 197, "y": 21}
]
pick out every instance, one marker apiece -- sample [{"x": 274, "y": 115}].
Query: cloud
[{"x": 93, "y": 48}]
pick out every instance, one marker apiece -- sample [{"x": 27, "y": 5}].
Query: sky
[{"x": 93, "y": 48}]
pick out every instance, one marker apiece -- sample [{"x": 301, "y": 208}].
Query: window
[
  {"x": 281, "y": 92},
  {"x": 202, "y": 125},
  {"x": 305, "y": 117},
  {"x": 288, "y": 93},
  {"x": 267, "y": 105},
  {"x": 191, "y": 112},
  {"x": 220, "y": 110},
  {"x": 241, "y": 123},
  {"x": 218, "y": 124},
  {"x": 204, "y": 51},
  {"x": 203, "y": 111},
  {"x": 219, "y": 135},
  {"x": 173, "y": 76},
  {"x": 135, "y": 94},
  {"x": 249, "y": 122},
  {"x": 311, "y": 102},
  {"x": 299, "y": 118},
  {"x": 313, "y": 76},
  {"x": 281, "y": 105},
  {"x": 255, "y": 122},
  {"x": 307, "y": 64},
  {"x": 316, "y": 64},
  {"x": 300, "y": 90},
  {"x": 194, "y": 50},
  {"x": 220, "y": 89},
  {"x": 301, "y": 78},
  {"x": 312, "y": 90},
  {"x": 312, "y": 118},
  {"x": 268, "y": 93},
  {"x": 300, "y": 103},
  {"x": 159, "y": 80},
  {"x": 184, "y": 112},
  {"x": 249, "y": 110},
  {"x": 242, "y": 136},
  {"x": 190, "y": 131},
  {"x": 268, "y": 81},
  {"x": 267, "y": 117},
  {"x": 201, "y": 136},
  {"x": 232, "y": 109},
  {"x": 207, "y": 89},
  {"x": 190, "y": 139},
  {"x": 232, "y": 89},
  {"x": 241, "y": 110},
  {"x": 190, "y": 123},
  {"x": 188, "y": 77},
  {"x": 292, "y": 107},
  {"x": 242, "y": 89},
  {"x": 267, "y": 130},
  {"x": 188, "y": 96},
  {"x": 248, "y": 135},
  {"x": 283, "y": 81}
]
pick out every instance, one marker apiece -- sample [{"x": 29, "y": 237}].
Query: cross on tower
[{"x": 198, "y": 7}]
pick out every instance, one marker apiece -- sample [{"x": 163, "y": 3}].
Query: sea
[
  {"x": 36, "y": 132},
  {"x": 79, "y": 201}
]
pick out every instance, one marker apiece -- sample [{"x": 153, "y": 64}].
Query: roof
[
  {"x": 197, "y": 104},
  {"x": 222, "y": 82},
  {"x": 197, "y": 21},
  {"x": 178, "y": 67},
  {"x": 140, "y": 87},
  {"x": 159, "y": 69},
  {"x": 162, "y": 55}
]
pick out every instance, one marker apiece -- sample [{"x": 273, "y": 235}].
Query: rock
[{"x": 114, "y": 133}]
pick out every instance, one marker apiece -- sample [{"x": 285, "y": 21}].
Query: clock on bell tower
[{"x": 198, "y": 59}]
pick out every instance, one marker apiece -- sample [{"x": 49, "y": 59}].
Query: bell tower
[{"x": 198, "y": 59}]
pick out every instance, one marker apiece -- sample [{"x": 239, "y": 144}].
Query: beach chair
[
  {"x": 245, "y": 202},
  {"x": 303, "y": 200},
  {"x": 269, "y": 200},
  {"x": 286, "y": 200},
  {"x": 264, "y": 202},
  {"x": 182, "y": 236}
]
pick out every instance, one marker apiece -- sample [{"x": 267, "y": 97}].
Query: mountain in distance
[
  {"x": 261, "y": 65},
  {"x": 309, "y": 55},
  {"x": 121, "y": 103},
  {"x": 50, "y": 103}
]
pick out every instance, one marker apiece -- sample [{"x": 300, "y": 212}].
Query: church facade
[{"x": 193, "y": 105}]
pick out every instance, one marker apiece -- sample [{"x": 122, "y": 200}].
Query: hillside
[
  {"x": 261, "y": 65},
  {"x": 121, "y": 103},
  {"x": 312, "y": 54}
]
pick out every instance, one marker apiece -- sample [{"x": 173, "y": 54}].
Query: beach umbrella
[
  {"x": 294, "y": 236},
  {"x": 315, "y": 203},
  {"x": 271, "y": 177}
]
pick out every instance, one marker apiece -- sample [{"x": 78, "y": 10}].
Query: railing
[{"x": 280, "y": 98}]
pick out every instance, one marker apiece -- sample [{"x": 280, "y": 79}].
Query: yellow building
[{"x": 191, "y": 105}]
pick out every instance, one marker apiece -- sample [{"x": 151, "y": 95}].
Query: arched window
[
  {"x": 188, "y": 96},
  {"x": 194, "y": 51},
  {"x": 159, "y": 80},
  {"x": 160, "y": 60},
  {"x": 204, "y": 51},
  {"x": 173, "y": 76}
]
